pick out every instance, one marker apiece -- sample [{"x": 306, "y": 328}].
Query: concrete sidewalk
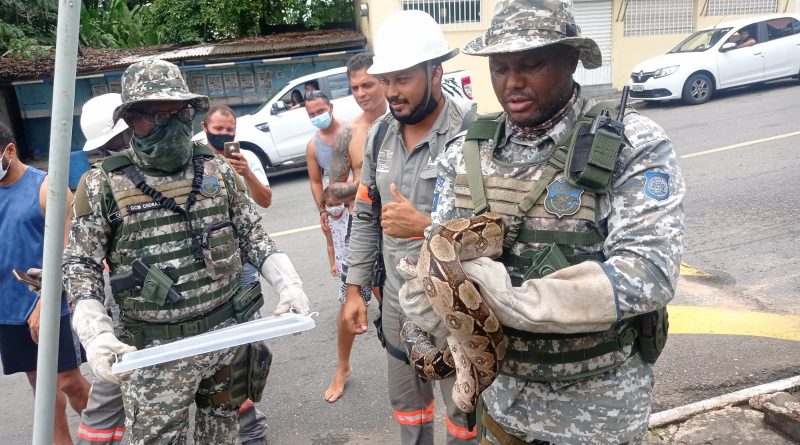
[{"x": 763, "y": 415}]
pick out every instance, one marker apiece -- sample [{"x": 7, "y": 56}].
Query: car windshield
[{"x": 700, "y": 41}]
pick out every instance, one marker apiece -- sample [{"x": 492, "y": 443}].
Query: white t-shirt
[{"x": 255, "y": 166}]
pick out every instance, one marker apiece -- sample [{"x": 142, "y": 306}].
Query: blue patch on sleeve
[
  {"x": 436, "y": 190},
  {"x": 656, "y": 185}
]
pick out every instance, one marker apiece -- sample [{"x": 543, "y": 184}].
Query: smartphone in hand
[
  {"x": 27, "y": 279},
  {"x": 231, "y": 147}
]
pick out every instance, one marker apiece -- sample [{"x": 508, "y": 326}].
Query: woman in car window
[
  {"x": 745, "y": 39},
  {"x": 297, "y": 100}
]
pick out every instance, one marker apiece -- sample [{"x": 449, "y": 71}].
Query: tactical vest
[
  {"x": 552, "y": 212},
  {"x": 144, "y": 229}
]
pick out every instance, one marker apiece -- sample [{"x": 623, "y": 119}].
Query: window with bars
[
  {"x": 732, "y": 7},
  {"x": 658, "y": 17},
  {"x": 447, "y": 12}
]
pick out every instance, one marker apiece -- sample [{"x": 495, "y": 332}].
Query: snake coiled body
[{"x": 476, "y": 344}]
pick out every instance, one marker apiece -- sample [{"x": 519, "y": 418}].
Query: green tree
[
  {"x": 113, "y": 23},
  {"x": 176, "y": 21},
  {"x": 27, "y": 27}
]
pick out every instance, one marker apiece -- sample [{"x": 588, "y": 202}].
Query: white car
[
  {"x": 278, "y": 134},
  {"x": 730, "y": 54}
]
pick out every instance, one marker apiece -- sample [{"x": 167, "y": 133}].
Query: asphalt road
[{"x": 740, "y": 206}]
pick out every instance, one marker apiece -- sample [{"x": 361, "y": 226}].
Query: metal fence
[{"x": 454, "y": 15}]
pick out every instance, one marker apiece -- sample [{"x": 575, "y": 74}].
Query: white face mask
[
  {"x": 4, "y": 165},
  {"x": 335, "y": 211}
]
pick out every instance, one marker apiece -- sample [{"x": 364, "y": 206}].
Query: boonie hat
[
  {"x": 156, "y": 80},
  {"x": 520, "y": 25}
]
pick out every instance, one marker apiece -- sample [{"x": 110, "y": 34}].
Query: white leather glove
[
  {"x": 415, "y": 303},
  {"x": 96, "y": 333},
  {"x": 279, "y": 272},
  {"x": 575, "y": 299}
]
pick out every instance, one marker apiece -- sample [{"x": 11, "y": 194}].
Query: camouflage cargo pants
[{"x": 157, "y": 401}]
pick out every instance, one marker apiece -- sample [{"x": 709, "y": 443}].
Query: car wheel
[{"x": 698, "y": 89}]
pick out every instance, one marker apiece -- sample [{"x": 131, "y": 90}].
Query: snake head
[{"x": 407, "y": 269}]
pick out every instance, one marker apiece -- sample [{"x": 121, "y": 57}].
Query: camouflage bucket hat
[
  {"x": 520, "y": 25},
  {"x": 156, "y": 80}
]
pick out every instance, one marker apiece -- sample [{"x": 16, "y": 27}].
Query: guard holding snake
[{"x": 575, "y": 252}]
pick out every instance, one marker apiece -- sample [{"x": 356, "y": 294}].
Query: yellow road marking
[
  {"x": 689, "y": 271},
  {"x": 707, "y": 320},
  {"x": 292, "y": 231},
  {"x": 741, "y": 144}
]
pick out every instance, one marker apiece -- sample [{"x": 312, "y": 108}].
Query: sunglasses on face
[{"x": 160, "y": 118}]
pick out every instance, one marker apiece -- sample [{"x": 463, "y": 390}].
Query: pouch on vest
[
  {"x": 652, "y": 327},
  {"x": 220, "y": 246},
  {"x": 545, "y": 262},
  {"x": 247, "y": 301}
]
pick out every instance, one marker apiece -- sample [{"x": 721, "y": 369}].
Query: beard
[{"x": 544, "y": 107}]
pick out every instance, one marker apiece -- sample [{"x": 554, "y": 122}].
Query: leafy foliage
[
  {"x": 113, "y": 24},
  {"x": 27, "y": 27}
]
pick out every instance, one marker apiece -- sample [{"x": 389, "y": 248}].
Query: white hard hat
[
  {"x": 408, "y": 38},
  {"x": 97, "y": 121}
]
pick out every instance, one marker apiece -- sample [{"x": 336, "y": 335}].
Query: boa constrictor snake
[{"x": 476, "y": 345}]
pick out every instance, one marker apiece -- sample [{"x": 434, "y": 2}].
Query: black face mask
[
  {"x": 218, "y": 140},
  {"x": 425, "y": 108}
]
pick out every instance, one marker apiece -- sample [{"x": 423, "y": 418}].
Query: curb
[{"x": 682, "y": 413}]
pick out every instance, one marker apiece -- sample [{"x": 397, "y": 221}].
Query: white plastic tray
[{"x": 240, "y": 334}]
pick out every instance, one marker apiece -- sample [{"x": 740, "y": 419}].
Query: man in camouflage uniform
[
  {"x": 185, "y": 213},
  {"x": 584, "y": 260}
]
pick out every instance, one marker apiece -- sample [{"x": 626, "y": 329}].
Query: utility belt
[
  {"x": 242, "y": 306},
  {"x": 645, "y": 334}
]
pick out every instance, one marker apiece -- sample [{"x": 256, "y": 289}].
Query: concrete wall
[{"x": 628, "y": 51}]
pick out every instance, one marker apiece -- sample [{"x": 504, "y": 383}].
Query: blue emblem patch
[
  {"x": 210, "y": 187},
  {"x": 563, "y": 198},
  {"x": 656, "y": 185}
]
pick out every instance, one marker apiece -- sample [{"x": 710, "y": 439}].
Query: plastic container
[{"x": 240, "y": 334}]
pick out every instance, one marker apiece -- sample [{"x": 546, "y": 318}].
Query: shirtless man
[{"x": 346, "y": 158}]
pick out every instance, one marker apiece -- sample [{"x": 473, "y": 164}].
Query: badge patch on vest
[
  {"x": 210, "y": 187},
  {"x": 143, "y": 207},
  {"x": 563, "y": 198},
  {"x": 656, "y": 185}
]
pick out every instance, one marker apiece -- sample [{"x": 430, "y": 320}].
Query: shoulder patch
[{"x": 656, "y": 185}]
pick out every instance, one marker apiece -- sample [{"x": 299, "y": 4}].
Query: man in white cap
[
  {"x": 590, "y": 197},
  {"x": 400, "y": 168},
  {"x": 103, "y": 136}
]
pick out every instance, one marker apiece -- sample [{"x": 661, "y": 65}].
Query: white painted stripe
[
  {"x": 741, "y": 144},
  {"x": 218, "y": 65},
  {"x": 293, "y": 231}
]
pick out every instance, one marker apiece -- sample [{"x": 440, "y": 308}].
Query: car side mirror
[
  {"x": 727, "y": 46},
  {"x": 279, "y": 107}
]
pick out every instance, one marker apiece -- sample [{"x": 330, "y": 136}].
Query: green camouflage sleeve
[
  {"x": 645, "y": 219},
  {"x": 88, "y": 237},
  {"x": 444, "y": 197},
  {"x": 253, "y": 238}
]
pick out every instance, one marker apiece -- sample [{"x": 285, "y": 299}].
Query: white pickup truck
[{"x": 279, "y": 135}]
